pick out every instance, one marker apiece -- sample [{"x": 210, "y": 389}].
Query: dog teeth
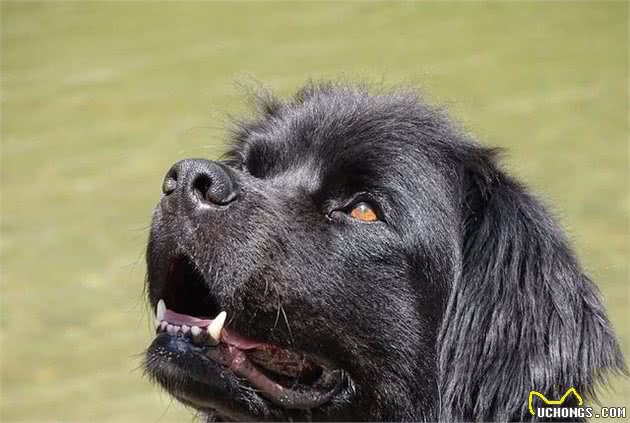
[
  {"x": 214, "y": 330},
  {"x": 160, "y": 311},
  {"x": 210, "y": 335}
]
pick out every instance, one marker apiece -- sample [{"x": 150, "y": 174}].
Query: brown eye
[{"x": 363, "y": 211}]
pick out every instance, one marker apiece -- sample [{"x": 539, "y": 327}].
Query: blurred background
[{"x": 99, "y": 99}]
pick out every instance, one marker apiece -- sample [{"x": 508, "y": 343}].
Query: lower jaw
[
  {"x": 210, "y": 377},
  {"x": 282, "y": 396},
  {"x": 188, "y": 375}
]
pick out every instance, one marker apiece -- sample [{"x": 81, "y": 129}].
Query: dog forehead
[
  {"x": 349, "y": 139},
  {"x": 313, "y": 137},
  {"x": 306, "y": 174}
]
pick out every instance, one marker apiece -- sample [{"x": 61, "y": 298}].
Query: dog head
[{"x": 356, "y": 256}]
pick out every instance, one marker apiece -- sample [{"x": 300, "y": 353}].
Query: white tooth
[
  {"x": 163, "y": 325},
  {"x": 160, "y": 310},
  {"x": 217, "y": 324},
  {"x": 211, "y": 340},
  {"x": 195, "y": 330},
  {"x": 185, "y": 328},
  {"x": 171, "y": 329}
]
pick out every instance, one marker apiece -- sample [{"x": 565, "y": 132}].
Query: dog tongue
[{"x": 183, "y": 319}]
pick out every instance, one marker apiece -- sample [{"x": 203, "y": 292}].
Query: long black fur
[{"x": 463, "y": 300}]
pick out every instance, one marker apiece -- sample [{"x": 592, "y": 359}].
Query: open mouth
[{"x": 289, "y": 379}]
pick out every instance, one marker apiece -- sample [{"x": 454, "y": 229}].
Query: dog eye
[{"x": 364, "y": 211}]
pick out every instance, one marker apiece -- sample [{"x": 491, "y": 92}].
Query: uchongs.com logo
[{"x": 556, "y": 409}]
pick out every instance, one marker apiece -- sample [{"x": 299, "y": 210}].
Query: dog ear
[{"x": 522, "y": 315}]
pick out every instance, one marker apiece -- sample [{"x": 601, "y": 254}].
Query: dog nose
[{"x": 202, "y": 181}]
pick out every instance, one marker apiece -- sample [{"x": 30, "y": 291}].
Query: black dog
[{"x": 374, "y": 263}]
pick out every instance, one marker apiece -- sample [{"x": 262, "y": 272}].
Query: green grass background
[{"x": 98, "y": 99}]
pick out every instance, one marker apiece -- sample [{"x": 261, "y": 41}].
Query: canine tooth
[
  {"x": 210, "y": 339},
  {"x": 195, "y": 330},
  {"x": 163, "y": 325},
  {"x": 214, "y": 330},
  {"x": 171, "y": 329},
  {"x": 160, "y": 310},
  {"x": 185, "y": 328}
]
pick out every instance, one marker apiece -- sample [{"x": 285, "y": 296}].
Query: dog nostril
[
  {"x": 201, "y": 187},
  {"x": 214, "y": 187},
  {"x": 169, "y": 185}
]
